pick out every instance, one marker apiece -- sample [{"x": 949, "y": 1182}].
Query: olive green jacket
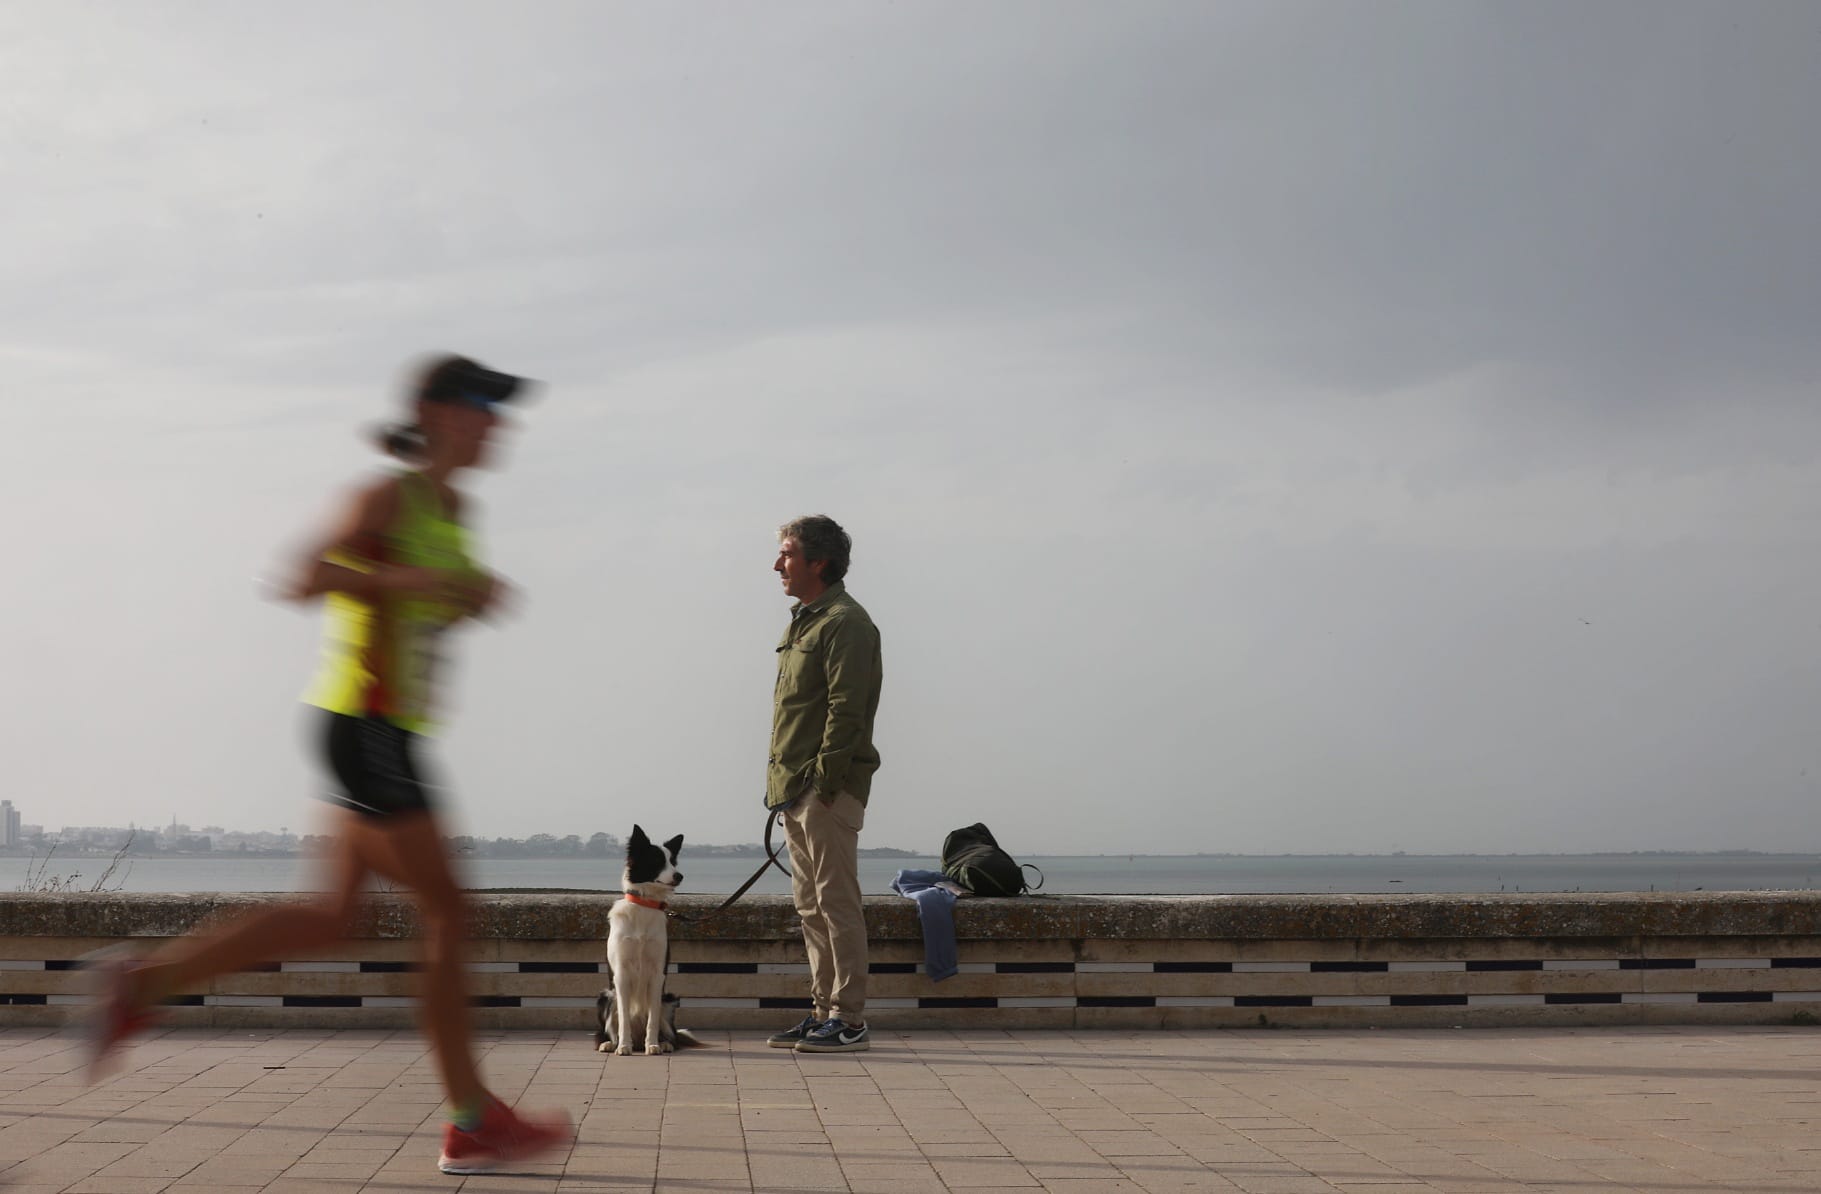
[{"x": 826, "y": 697}]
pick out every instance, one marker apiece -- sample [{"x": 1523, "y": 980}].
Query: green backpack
[{"x": 972, "y": 858}]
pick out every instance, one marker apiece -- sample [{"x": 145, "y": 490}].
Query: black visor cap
[{"x": 476, "y": 385}]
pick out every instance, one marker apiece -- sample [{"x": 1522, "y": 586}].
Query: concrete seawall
[{"x": 1074, "y": 961}]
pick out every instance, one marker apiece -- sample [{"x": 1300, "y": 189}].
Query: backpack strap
[{"x": 1025, "y": 866}]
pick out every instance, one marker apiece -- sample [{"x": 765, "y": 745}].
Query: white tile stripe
[
  {"x": 1018, "y": 1001},
  {"x": 243, "y": 1001},
  {"x": 18, "y": 964},
  {"x": 1732, "y": 963}
]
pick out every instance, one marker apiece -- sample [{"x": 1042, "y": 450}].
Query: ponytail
[{"x": 404, "y": 440}]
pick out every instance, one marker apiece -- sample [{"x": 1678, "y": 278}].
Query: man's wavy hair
[{"x": 821, "y": 538}]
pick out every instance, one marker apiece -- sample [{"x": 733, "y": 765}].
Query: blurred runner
[{"x": 396, "y": 572}]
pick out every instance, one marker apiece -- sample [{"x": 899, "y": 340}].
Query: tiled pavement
[{"x": 1275, "y": 1112}]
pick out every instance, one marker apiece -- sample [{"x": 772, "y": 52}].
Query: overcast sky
[{"x": 1263, "y": 427}]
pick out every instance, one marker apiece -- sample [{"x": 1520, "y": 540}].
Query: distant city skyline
[{"x": 179, "y": 829}]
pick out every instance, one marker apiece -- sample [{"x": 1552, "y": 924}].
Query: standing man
[{"x": 820, "y": 773}]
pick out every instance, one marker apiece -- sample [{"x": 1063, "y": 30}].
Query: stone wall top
[{"x": 574, "y": 917}]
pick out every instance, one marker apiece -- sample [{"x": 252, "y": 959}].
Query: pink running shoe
[
  {"x": 111, "y": 1016},
  {"x": 502, "y": 1137}
]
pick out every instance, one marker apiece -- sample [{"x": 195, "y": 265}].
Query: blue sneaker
[
  {"x": 833, "y": 1036},
  {"x": 790, "y": 1037}
]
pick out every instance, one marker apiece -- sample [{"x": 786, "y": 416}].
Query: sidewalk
[{"x": 1664, "y": 1110}]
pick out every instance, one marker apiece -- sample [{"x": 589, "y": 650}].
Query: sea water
[{"x": 1068, "y": 875}]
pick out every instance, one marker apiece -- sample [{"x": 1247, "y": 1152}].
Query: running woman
[{"x": 396, "y": 572}]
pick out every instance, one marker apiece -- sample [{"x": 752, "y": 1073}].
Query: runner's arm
[{"x": 356, "y": 534}]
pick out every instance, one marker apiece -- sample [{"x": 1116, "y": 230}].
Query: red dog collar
[{"x": 642, "y": 902}]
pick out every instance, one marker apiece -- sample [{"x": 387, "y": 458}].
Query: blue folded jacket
[{"x": 935, "y": 895}]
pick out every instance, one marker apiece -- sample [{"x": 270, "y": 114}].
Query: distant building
[
  {"x": 9, "y": 824},
  {"x": 97, "y": 837}
]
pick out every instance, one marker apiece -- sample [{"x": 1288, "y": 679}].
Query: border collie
[{"x": 634, "y": 1003}]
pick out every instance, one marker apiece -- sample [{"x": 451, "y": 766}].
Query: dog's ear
[
  {"x": 638, "y": 838},
  {"x": 674, "y": 844}
]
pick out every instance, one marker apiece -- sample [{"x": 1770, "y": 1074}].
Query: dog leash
[{"x": 772, "y": 819}]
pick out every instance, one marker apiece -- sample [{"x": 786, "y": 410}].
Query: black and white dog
[{"x": 635, "y": 1004}]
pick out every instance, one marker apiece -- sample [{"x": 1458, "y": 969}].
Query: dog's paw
[
  {"x": 668, "y": 1047},
  {"x": 624, "y": 1050},
  {"x": 654, "y": 1050},
  {"x": 604, "y": 1047}
]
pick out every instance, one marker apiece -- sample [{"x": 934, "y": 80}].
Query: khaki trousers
[{"x": 825, "y": 883}]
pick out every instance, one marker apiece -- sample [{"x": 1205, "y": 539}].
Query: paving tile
[
  {"x": 345, "y": 1172},
  {"x": 799, "y": 1173},
  {"x": 118, "y": 1185},
  {"x": 874, "y": 1178},
  {"x": 960, "y": 1173},
  {"x": 1129, "y": 1144}
]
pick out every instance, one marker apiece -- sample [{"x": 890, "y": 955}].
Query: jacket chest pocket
[{"x": 799, "y": 664}]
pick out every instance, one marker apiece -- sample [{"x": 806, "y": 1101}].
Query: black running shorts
[{"x": 373, "y": 764}]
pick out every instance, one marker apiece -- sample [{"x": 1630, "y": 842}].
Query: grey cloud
[{"x": 1296, "y": 377}]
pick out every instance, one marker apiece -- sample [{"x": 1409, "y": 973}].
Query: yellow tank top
[{"x": 384, "y": 658}]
